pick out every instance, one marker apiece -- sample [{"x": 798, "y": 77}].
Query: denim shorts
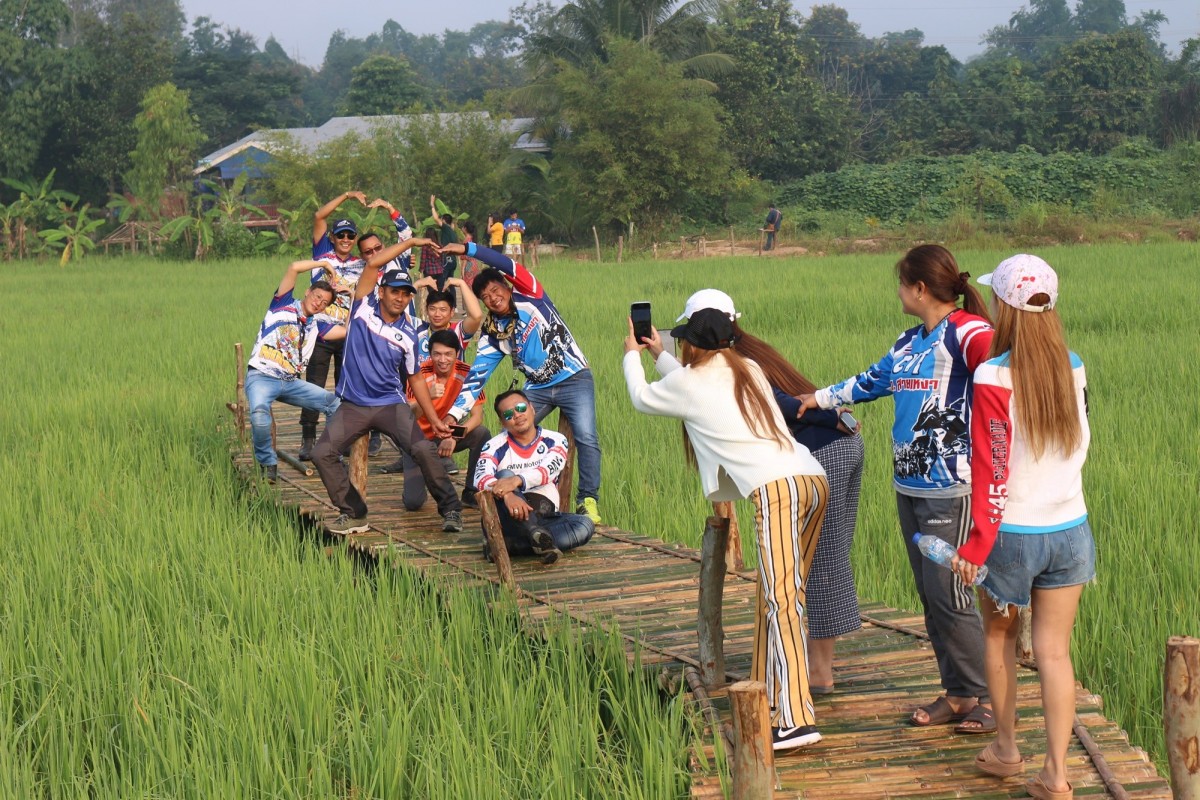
[{"x": 1021, "y": 562}]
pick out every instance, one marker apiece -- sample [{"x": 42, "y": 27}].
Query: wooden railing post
[
  {"x": 709, "y": 628},
  {"x": 753, "y": 765},
  {"x": 1181, "y": 715},
  {"x": 358, "y": 464},
  {"x": 733, "y": 553},
  {"x": 495, "y": 538},
  {"x": 566, "y": 478}
]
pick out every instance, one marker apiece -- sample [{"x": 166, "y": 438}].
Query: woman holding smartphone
[
  {"x": 832, "y": 606},
  {"x": 1029, "y": 420},
  {"x": 927, "y": 372},
  {"x": 736, "y": 439}
]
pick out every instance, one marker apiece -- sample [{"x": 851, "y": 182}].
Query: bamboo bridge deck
[{"x": 647, "y": 590}]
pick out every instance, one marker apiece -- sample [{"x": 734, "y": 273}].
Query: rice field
[{"x": 168, "y": 633}]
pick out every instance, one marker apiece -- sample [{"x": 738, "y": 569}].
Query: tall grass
[{"x": 165, "y": 634}]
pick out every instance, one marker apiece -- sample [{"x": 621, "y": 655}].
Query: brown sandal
[
  {"x": 1035, "y": 787},
  {"x": 939, "y": 712},
  {"x": 987, "y": 761},
  {"x": 982, "y": 716}
]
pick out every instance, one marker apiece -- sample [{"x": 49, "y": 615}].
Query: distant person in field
[
  {"x": 523, "y": 322},
  {"x": 447, "y": 234},
  {"x": 514, "y": 232},
  {"x": 431, "y": 263},
  {"x": 470, "y": 267},
  {"x": 495, "y": 230},
  {"x": 444, "y": 372},
  {"x": 439, "y": 309},
  {"x": 521, "y": 467},
  {"x": 927, "y": 373},
  {"x": 832, "y": 607},
  {"x": 1029, "y": 519},
  {"x": 774, "y": 220},
  {"x": 285, "y": 342},
  {"x": 736, "y": 439},
  {"x": 381, "y": 368}
]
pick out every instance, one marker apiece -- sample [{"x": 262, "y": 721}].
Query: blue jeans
[
  {"x": 567, "y": 530},
  {"x": 576, "y": 398},
  {"x": 1021, "y": 562},
  {"x": 262, "y": 390}
]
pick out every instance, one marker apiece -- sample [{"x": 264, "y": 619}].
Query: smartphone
[
  {"x": 643, "y": 328},
  {"x": 458, "y": 431},
  {"x": 848, "y": 420}
]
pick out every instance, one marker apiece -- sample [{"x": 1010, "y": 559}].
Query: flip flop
[
  {"x": 981, "y": 715},
  {"x": 987, "y": 761},
  {"x": 939, "y": 712},
  {"x": 1037, "y": 789}
]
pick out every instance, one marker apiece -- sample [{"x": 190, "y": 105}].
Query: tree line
[{"x": 655, "y": 111}]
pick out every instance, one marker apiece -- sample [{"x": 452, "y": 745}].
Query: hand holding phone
[
  {"x": 642, "y": 326},
  {"x": 458, "y": 431},
  {"x": 847, "y": 419}
]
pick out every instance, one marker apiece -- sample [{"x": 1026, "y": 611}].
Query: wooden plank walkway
[{"x": 646, "y": 590}]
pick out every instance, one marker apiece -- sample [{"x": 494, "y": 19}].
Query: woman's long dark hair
[
  {"x": 935, "y": 266},
  {"x": 779, "y": 371}
]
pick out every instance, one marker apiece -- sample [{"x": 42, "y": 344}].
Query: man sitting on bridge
[{"x": 520, "y": 467}]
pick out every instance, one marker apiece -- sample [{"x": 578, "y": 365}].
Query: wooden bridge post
[
  {"x": 1181, "y": 715},
  {"x": 753, "y": 766},
  {"x": 709, "y": 628},
  {"x": 358, "y": 464},
  {"x": 495, "y": 538},
  {"x": 566, "y": 478},
  {"x": 1025, "y": 635},
  {"x": 733, "y": 552},
  {"x": 239, "y": 391}
]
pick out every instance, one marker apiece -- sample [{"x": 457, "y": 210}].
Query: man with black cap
[
  {"x": 381, "y": 363},
  {"x": 335, "y": 247}
]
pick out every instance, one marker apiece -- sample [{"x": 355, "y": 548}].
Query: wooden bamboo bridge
[{"x": 646, "y": 590}]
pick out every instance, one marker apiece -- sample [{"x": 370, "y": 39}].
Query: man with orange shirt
[{"x": 444, "y": 374}]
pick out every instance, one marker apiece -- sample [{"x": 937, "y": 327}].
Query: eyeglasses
[
  {"x": 519, "y": 408},
  {"x": 344, "y": 235},
  {"x": 370, "y": 251}
]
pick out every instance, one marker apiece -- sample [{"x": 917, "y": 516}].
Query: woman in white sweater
[{"x": 735, "y": 436}]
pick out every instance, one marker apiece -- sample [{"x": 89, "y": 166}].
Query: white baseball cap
[
  {"x": 709, "y": 298},
  {"x": 1019, "y": 278}
]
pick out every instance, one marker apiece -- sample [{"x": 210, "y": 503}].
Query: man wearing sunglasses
[
  {"x": 520, "y": 467},
  {"x": 381, "y": 364},
  {"x": 523, "y": 322}
]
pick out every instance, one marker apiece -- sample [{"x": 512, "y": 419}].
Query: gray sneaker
[
  {"x": 347, "y": 524},
  {"x": 452, "y": 521},
  {"x": 269, "y": 471}
]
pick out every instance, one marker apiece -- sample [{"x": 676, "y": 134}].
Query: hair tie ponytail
[{"x": 960, "y": 287}]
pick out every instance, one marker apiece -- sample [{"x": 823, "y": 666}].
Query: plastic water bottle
[{"x": 942, "y": 552}]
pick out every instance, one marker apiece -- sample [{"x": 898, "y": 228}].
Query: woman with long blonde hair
[
  {"x": 735, "y": 437},
  {"x": 1030, "y": 524}
]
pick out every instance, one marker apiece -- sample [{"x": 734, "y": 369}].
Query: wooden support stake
[
  {"x": 733, "y": 553},
  {"x": 239, "y": 392},
  {"x": 596, "y": 236},
  {"x": 682, "y": 244},
  {"x": 1181, "y": 715},
  {"x": 655, "y": 249},
  {"x": 702, "y": 247},
  {"x": 495, "y": 538},
  {"x": 358, "y": 464},
  {"x": 730, "y": 240},
  {"x": 761, "y": 234},
  {"x": 753, "y": 765},
  {"x": 294, "y": 463},
  {"x": 1025, "y": 635},
  {"x": 620, "y": 248},
  {"x": 566, "y": 478},
  {"x": 709, "y": 628}
]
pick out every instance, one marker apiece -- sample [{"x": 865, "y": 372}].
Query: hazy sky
[{"x": 303, "y": 26}]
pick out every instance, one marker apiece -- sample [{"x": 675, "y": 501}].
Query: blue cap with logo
[
  {"x": 343, "y": 225},
  {"x": 396, "y": 279}
]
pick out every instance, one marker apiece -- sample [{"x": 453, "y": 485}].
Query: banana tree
[
  {"x": 196, "y": 227},
  {"x": 73, "y": 235},
  {"x": 36, "y": 205}
]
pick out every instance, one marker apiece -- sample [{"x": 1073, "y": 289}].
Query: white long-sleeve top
[{"x": 733, "y": 461}]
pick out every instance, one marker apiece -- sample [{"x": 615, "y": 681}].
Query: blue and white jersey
[
  {"x": 424, "y": 331},
  {"x": 541, "y": 345},
  {"x": 379, "y": 357},
  {"x": 539, "y": 464},
  {"x": 285, "y": 339},
  {"x": 929, "y": 378},
  {"x": 349, "y": 271}
]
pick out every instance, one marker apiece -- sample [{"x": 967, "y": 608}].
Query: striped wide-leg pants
[{"x": 788, "y": 514}]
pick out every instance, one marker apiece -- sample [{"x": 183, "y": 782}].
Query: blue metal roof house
[{"x": 252, "y": 153}]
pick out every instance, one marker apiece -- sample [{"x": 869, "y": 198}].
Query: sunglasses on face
[
  {"x": 344, "y": 235},
  {"x": 519, "y": 408},
  {"x": 371, "y": 251}
]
